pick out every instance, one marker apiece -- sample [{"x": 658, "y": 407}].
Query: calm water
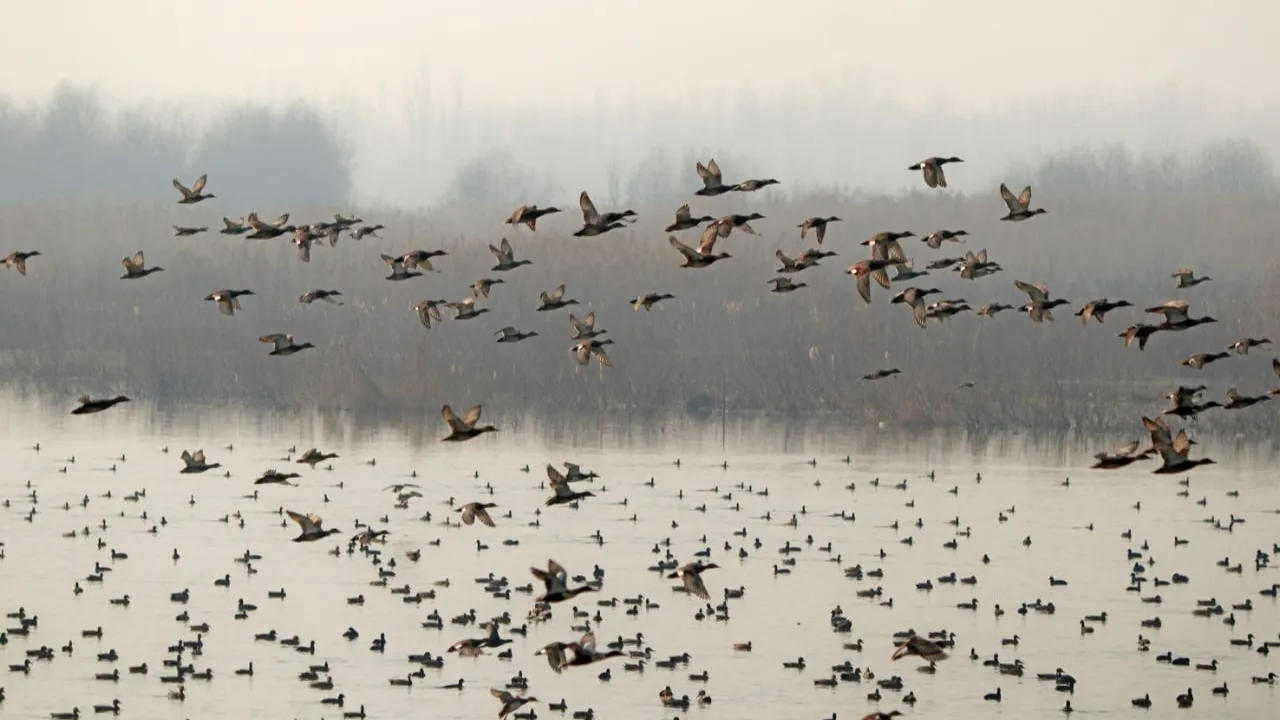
[{"x": 784, "y": 616}]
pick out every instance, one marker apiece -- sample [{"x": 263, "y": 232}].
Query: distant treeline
[{"x": 1117, "y": 226}]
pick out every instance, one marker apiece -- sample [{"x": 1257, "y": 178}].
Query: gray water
[{"x": 784, "y": 616}]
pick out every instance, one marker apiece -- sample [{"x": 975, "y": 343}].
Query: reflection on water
[{"x": 783, "y": 615}]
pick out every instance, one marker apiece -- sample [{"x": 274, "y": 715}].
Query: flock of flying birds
[{"x": 886, "y": 253}]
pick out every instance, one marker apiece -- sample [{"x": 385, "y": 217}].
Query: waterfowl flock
[{"x": 402, "y": 552}]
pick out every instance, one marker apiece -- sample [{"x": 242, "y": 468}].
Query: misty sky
[{"x": 1146, "y": 70}]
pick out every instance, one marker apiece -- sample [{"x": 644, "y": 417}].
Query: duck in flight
[
  {"x": 691, "y": 575},
  {"x": 585, "y": 328},
  {"x": 284, "y": 344},
  {"x": 686, "y": 221},
  {"x": 465, "y": 309},
  {"x": 1187, "y": 278},
  {"x": 428, "y": 310},
  {"x": 195, "y": 193},
  {"x": 463, "y": 428},
  {"x": 564, "y": 494},
  {"x": 932, "y": 169},
  {"x": 1039, "y": 307},
  {"x": 1236, "y": 401},
  {"x": 311, "y": 527},
  {"x": 18, "y": 260},
  {"x": 313, "y": 456},
  {"x": 703, "y": 256},
  {"x": 1120, "y": 457},
  {"x": 595, "y": 223},
  {"x": 1177, "y": 317},
  {"x": 913, "y": 297},
  {"x": 1173, "y": 450},
  {"x": 1098, "y": 309},
  {"x": 194, "y": 462},
  {"x": 937, "y": 237},
  {"x": 1241, "y": 346},
  {"x": 648, "y": 300},
  {"x": 1020, "y": 206},
  {"x": 275, "y": 477},
  {"x": 785, "y": 285},
  {"x": 529, "y": 214},
  {"x": 561, "y": 655},
  {"x": 233, "y": 227},
  {"x": 555, "y": 581},
  {"x": 510, "y": 703},
  {"x": 89, "y": 407},
  {"x": 588, "y": 349},
  {"x": 506, "y": 257},
  {"x": 265, "y": 230},
  {"x": 881, "y": 374},
  {"x": 328, "y": 296},
  {"x": 712, "y": 182},
  {"x": 473, "y": 511},
  {"x": 511, "y": 335},
  {"x": 481, "y": 287},
  {"x": 135, "y": 267},
  {"x": 921, "y": 647},
  {"x": 227, "y": 300},
  {"x": 554, "y": 300},
  {"x": 188, "y": 231},
  {"x": 864, "y": 270},
  {"x": 399, "y": 269},
  {"x": 1199, "y": 360},
  {"x": 818, "y": 225},
  {"x": 754, "y": 184}
]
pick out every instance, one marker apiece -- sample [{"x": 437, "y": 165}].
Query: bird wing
[
  {"x": 601, "y": 356},
  {"x": 1160, "y": 439},
  {"x": 931, "y": 173},
  {"x": 1024, "y": 198},
  {"x": 1037, "y": 293},
  {"x": 582, "y": 351},
  {"x": 707, "y": 241},
  {"x": 864, "y": 285},
  {"x": 693, "y": 583},
  {"x": 472, "y": 416},
  {"x": 451, "y": 419},
  {"x": 483, "y": 516},
  {"x": 558, "y": 293},
  {"x": 502, "y": 695},
  {"x": 683, "y": 213},
  {"x": 555, "y": 656},
  {"x": 309, "y": 523},
  {"x": 579, "y": 327},
  {"x": 685, "y": 250},
  {"x": 280, "y": 339},
  {"x": 197, "y": 457},
  {"x": 1181, "y": 444},
  {"x": 590, "y": 215},
  {"x": 468, "y": 513},
  {"x": 1009, "y": 199},
  {"x": 199, "y": 184},
  {"x": 588, "y": 643},
  {"x": 918, "y": 311},
  {"x": 182, "y": 188},
  {"x": 1126, "y": 449},
  {"x": 133, "y": 263}
]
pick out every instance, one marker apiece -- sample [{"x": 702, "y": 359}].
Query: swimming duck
[
  {"x": 284, "y": 344},
  {"x": 506, "y": 257},
  {"x": 463, "y": 428},
  {"x": 932, "y": 169},
  {"x": 529, "y": 214},
  {"x": 647, "y": 301},
  {"x": 1020, "y": 206},
  {"x": 685, "y": 219},
  {"x": 88, "y": 406},
  {"x": 227, "y": 300},
  {"x": 311, "y": 527},
  {"x": 134, "y": 267},
  {"x": 195, "y": 194}
]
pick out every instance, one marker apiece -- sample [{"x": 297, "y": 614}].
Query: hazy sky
[{"x": 364, "y": 62}]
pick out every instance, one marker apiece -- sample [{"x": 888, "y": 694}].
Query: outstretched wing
[
  {"x": 182, "y": 188},
  {"x": 199, "y": 184},
  {"x": 309, "y": 523},
  {"x": 1009, "y": 199},
  {"x": 451, "y": 419},
  {"x": 589, "y": 214},
  {"x": 685, "y": 250}
]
